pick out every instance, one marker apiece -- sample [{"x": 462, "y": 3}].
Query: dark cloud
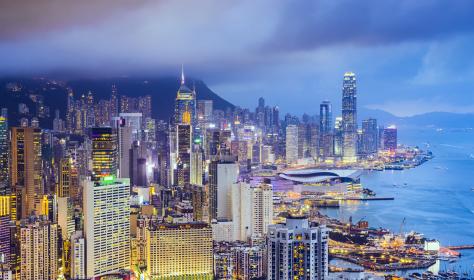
[
  {"x": 297, "y": 48},
  {"x": 312, "y": 24},
  {"x": 24, "y": 18}
]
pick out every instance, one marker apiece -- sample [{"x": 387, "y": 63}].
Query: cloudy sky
[{"x": 410, "y": 57}]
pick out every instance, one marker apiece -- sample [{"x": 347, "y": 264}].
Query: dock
[
  {"x": 369, "y": 198},
  {"x": 461, "y": 247}
]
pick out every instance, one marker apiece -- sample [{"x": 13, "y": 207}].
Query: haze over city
[{"x": 411, "y": 57}]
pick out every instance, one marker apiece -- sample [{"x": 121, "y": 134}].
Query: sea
[{"x": 435, "y": 198}]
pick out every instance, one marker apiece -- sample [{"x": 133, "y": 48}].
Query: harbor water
[{"x": 436, "y": 198}]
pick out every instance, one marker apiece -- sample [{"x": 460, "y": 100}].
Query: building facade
[{"x": 297, "y": 250}]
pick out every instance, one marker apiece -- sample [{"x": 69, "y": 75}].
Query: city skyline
[
  {"x": 314, "y": 140},
  {"x": 421, "y": 69}
]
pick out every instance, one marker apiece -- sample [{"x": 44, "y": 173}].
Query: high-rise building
[
  {"x": 125, "y": 140},
  {"x": 389, "y": 138},
  {"x": 196, "y": 165},
  {"x": 179, "y": 251},
  {"x": 5, "y": 235},
  {"x": 184, "y": 140},
  {"x": 222, "y": 174},
  {"x": 26, "y": 167},
  {"x": 370, "y": 133},
  {"x": 349, "y": 118},
  {"x": 78, "y": 256},
  {"x": 204, "y": 112},
  {"x": 4, "y": 154},
  {"x": 291, "y": 143},
  {"x": 39, "y": 249},
  {"x": 138, "y": 176},
  {"x": 252, "y": 209},
  {"x": 66, "y": 217},
  {"x": 114, "y": 103},
  {"x": 297, "y": 250},
  {"x": 104, "y": 152},
  {"x": 133, "y": 120},
  {"x": 249, "y": 262},
  {"x": 65, "y": 181},
  {"x": 185, "y": 102},
  {"x": 325, "y": 130},
  {"x": 107, "y": 225}
]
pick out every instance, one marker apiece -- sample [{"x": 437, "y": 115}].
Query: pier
[
  {"x": 369, "y": 198},
  {"x": 461, "y": 247}
]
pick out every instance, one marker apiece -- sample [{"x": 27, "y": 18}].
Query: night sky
[{"x": 410, "y": 56}]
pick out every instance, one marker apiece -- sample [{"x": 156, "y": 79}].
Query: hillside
[{"x": 14, "y": 91}]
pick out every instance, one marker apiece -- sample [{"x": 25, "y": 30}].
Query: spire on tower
[{"x": 182, "y": 74}]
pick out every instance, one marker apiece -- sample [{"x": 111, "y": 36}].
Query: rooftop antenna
[{"x": 182, "y": 74}]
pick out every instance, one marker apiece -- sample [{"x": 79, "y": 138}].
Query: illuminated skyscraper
[
  {"x": 291, "y": 143},
  {"x": 4, "y": 154},
  {"x": 196, "y": 165},
  {"x": 204, "y": 112},
  {"x": 370, "y": 133},
  {"x": 39, "y": 251},
  {"x": 389, "y": 138},
  {"x": 183, "y": 136},
  {"x": 297, "y": 250},
  {"x": 179, "y": 251},
  {"x": 349, "y": 118},
  {"x": 325, "y": 129},
  {"x": 107, "y": 225},
  {"x": 185, "y": 102},
  {"x": 26, "y": 167},
  {"x": 104, "y": 152}
]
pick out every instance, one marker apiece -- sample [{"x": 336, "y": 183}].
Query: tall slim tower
[
  {"x": 26, "y": 167},
  {"x": 104, "y": 152},
  {"x": 185, "y": 102},
  {"x": 291, "y": 143},
  {"x": 4, "y": 154},
  {"x": 349, "y": 118}
]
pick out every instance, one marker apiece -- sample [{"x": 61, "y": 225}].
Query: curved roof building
[{"x": 320, "y": 175}]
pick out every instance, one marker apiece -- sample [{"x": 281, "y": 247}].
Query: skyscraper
[
  {"x": 107, "y": 225},
  {"x": 291, "y": 143},
  {"x": 4, "y": 154},
  {"x": 179, "y": 251},
  {"x": 389, "y": 138},
  {"x": 39, "y": 251},
  {"x": 297, "y": 250},
  {"x": 325, "y": 130},
  {"x": 104, "y": 152},
  {"x": 125, "y": 140},
  {"x": 349, "y": 118},
  {"x": 369, "y": 136},
  {"x": 185, "y": 102},
  {"x": 184, "y": 138},
  {"x": 26, "y": 167},
  {"x": 252, "y": 209},
  {"x": 222, "y": 174}
]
